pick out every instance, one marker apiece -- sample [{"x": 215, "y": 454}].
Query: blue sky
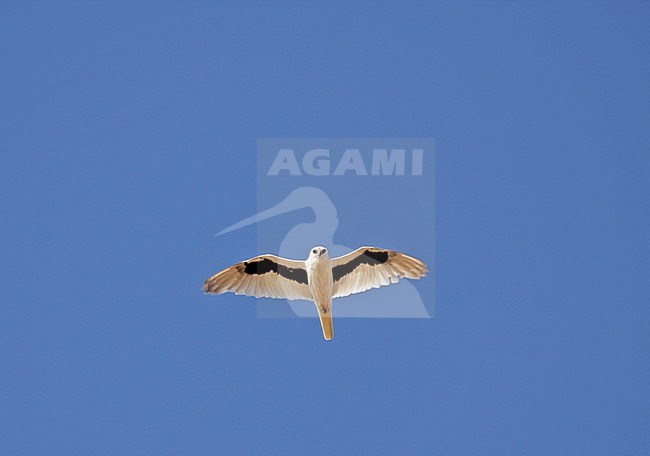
[{"x": 128, "y": 137}]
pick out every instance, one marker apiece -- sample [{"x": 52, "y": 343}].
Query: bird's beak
[
  {"x": 321, "y": 253},
  {"x": 285, "y": 206}
]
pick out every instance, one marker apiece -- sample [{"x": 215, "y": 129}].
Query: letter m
[{"x": 385, "y": 165}]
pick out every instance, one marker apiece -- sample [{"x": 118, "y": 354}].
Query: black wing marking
[
  {"x": 369, "y": 257},
  {"x": 266, "y": 265}
]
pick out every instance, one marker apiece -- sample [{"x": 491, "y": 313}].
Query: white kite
[{"x": 318, "y": 279}]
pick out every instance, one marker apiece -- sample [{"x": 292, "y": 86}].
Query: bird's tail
[{"x": 325, "y": 316}]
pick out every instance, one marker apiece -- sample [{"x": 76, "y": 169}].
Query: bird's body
[
  {"x": 318, "y": 279},
  {"x": 319, "y": 276}
]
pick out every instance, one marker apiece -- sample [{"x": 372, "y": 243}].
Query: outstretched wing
[
  {"x": 265, "y": 276},
  {"x": 370, "y": 267}
]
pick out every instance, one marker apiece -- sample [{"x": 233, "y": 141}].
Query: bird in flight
[{"x": 318, "y": 279}]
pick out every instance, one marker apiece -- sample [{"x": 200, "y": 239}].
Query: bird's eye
[
  {"x": 313, "y": 251},
  {"x": 324, "y": 250}
]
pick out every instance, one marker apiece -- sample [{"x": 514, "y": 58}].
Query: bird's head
[{"x": 318, "y": 252}]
